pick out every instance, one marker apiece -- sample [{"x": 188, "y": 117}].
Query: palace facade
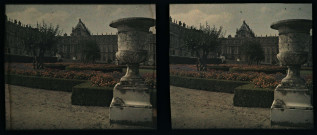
[
  {"x": 68, "y": 44},
  {"x": 230, "y": 46}
]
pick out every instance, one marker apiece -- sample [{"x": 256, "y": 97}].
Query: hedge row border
[
  {"x": 249, "y": 96},
  {"x": 226, "y": 86},
  {"x": 85, "y": 94},
  {"x": 245, "y": 93}
]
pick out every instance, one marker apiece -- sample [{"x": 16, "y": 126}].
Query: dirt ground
[
  {"x": 197, "y": 109},
  {"x": 29, "y": 108}
]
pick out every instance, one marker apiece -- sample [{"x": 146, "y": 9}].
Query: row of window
[{"x": 241, "y": 41}]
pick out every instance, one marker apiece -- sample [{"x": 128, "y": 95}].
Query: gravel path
[
  {"x": 199, "y": 109},
  {"x": 29, "y": 108}
]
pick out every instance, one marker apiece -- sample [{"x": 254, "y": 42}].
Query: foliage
[
  {"x": 252, "y": 51},
  {"x": 201, "y": 42},
  {"x": 89, "y": 51}
]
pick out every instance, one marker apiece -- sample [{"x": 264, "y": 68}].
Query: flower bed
[
  {"x": 96, "y": 77},
  {"x": 96, "y": 67},
  {"x": 260, "y": 80},
  {"x": 264, "y": 69}
]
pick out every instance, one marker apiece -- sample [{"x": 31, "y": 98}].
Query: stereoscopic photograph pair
[{"x": 94, "y": 66}]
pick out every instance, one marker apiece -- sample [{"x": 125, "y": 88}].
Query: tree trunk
[{"x": 39, "y": 60}]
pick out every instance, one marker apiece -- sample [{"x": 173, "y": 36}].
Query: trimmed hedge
[
  {"x": 266, "y": 71},
  {"x": 17, "y": 58},
  {"x": 306, "y": 68},
  {"x": 223, "y": 68},
  {"x": 147, "y": 67},
  {"x": 27, "y": 59},
  {"x": 42, "y": 82},
  {"x": 182, "y": 60},
  {"x": 188, "y": 60},
  {"x": 87, "y": 95},
  {"x": 105, "y": 70},
  {"x": 55, "y": 66},
  {"x": 249, "y": 96},
  {"x": 215, "y": 85}
]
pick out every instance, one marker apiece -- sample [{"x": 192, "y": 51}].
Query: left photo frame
[{"x": 77, "y": 66}]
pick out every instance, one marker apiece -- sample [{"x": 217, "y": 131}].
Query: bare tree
[
  {"x": 201, "y": 42},
  {"x": 41, "y": 40}
]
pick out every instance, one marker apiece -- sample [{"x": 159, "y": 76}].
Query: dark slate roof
[{"x": 82, "y": 26}]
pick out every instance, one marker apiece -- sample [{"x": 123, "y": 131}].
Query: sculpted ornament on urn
[
  {"x": 131, "y": 96},
  {"x": 292, "y": 100}
]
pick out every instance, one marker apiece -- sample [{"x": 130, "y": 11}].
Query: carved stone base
[
  {"x": 131, "y": 105},
  {"x": 297, "y": 117},
  {"x": 292, "y": 107},
  {"x": 131, "y": 115}
]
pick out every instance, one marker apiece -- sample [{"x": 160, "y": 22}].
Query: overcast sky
[
  {"x": 96, "y": 17},
  {"x": 258, "y": 16}
]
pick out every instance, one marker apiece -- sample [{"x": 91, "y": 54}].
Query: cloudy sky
[
  {"x": 96, "y": 17},
  {"x": 258, "y": 16}
]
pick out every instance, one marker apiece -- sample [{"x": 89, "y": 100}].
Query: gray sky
[
  {"x": 96, "y": 17},
  {"x": 258, "y": 16}
]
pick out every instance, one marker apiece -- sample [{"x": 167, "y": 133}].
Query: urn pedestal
[
  {"x": 292, "y": 105},
  {"x": 131, "y": 96}
]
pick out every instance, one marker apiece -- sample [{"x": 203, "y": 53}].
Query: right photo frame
[{"x": 241, "y": 66}]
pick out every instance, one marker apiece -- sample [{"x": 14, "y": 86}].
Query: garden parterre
[
  {"x": 259, "y": 79},
  {"x": 97, "y": 78}
]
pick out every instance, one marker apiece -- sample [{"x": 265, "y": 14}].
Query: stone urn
[
  {"x": 131, "y": 96},
  {"x": 293, "y": 48},
  {"x": 292, "y": 100}
]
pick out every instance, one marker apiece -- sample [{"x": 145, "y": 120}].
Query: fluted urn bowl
[
  {"x": 293, "y": 47},
  {"x": 132, "y": 36},
  {"x": 132, "y": 42}
]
